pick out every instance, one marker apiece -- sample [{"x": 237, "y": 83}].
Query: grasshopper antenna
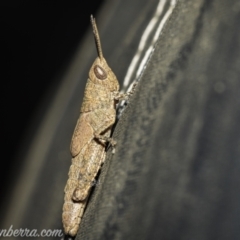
[{"x": 97, "y": 38}]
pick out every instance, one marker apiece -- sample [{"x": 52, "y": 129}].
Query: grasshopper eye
[{"x": 99, "y": 72}]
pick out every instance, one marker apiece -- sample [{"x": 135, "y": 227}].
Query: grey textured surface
[{"x": 175, "y": 174}]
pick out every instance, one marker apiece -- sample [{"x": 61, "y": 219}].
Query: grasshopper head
[{"x": 100, "y": 73}]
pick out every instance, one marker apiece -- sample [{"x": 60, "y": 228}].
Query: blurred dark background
[{"x": 38, "y": 40}]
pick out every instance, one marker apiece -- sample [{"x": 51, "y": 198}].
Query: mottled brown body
[{"x": 98, "y": 114}]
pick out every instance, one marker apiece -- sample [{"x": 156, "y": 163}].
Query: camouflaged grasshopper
[{"x": 92, "y": 132}]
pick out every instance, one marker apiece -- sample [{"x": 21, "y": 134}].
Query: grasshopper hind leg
[{"x": 91, "y": 162}]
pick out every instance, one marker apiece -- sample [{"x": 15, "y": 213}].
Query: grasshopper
[{"x": 91, "y": 134}]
